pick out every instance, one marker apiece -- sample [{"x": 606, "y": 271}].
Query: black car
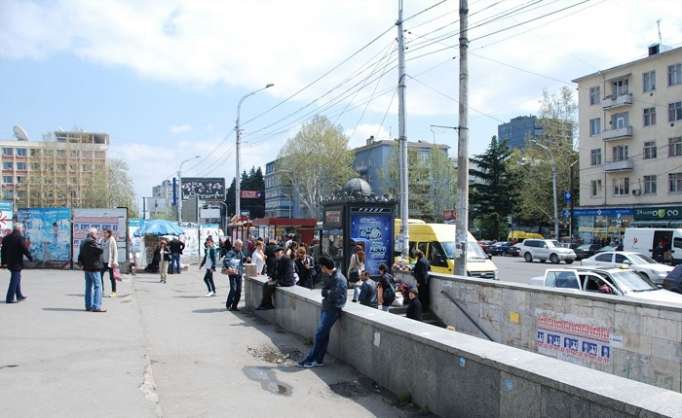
[
  {"x": 673, "y": 281},
  {"x": 586, "y": 250},
  {"x": 504, "y": 248}
]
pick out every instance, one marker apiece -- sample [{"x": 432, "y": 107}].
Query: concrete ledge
[{"x": 454, "y": 374}]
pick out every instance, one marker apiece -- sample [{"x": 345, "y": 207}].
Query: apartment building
[
  {"x": 630, "y": 127},
  {"x": 65, "y": 169}
]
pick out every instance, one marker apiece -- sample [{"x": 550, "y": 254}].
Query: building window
[
  {"x": 7, "y": 165},
  {"x": 7, "y": 179},
  {"x": 21, "y": 152},
  {"x": 650, "y": 116},
  {"x": 675, "y": 182},
  {"x": 620, "y": 87},
  {"x": 674, "y": 74},
  {"x": 620, "y": 153},
  {"x": 35, "y": 152},
  {"x": 649, "y": 81},
  {"x": 595, "y": 126},
  {"x": 8, "y": 152},
  {"x": 595, "y": 157},
  {"x": 595, "y": 95},
  {"x": 649, "y": 184},
  {"x": 621, "y": 187},
  {"x": 595, "y": 185},
  {"x": 20, "y": 179},
  {"x": 675, "y": 111},
  {"x": 8, "y": 195},
  {"x": 675, "y": 147},
  {"x": 21, "y": 166},
  {"x": 650, "y": 150},
  {"x": 620, "y": 120}
]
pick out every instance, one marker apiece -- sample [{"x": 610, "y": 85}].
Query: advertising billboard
[
  {"x": 206, "y": 188},
  {"x": 101, "y": 219},
  {"x": 6, "y": 215},
  {"x": 48, "y": 231},
  {"x": 373, "y": 227}
]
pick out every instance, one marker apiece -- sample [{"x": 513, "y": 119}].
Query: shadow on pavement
[
  {"x": 64, "y": 310},
  {"x": 209, "y": 310}
]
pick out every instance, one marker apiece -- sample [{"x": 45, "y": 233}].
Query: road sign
[
  {"x": 566, "y": 213},
  {"x": 568, "y": 197}
]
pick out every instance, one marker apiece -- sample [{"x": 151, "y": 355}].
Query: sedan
[
  {"x": 642, "y": 264},
  {"x": 586, "y": 250}
]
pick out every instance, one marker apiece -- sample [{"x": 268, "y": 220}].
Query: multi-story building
[
  {"x": 65, "y": 169},
  {"x": 160, "y": 204},
  {"x": 280, "y": 199},
  {"x": 630, "y": 124},
  {"x": 519, "y": 130}
]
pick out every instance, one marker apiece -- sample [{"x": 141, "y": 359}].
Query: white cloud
[
  {"x": 358, "y": 137},
  {"x": 179, "y": 129}
]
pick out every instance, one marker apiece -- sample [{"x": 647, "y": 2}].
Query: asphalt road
[{"x": 515, "y": 269}]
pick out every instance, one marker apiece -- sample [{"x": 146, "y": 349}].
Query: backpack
[{"x": 389, "y": 292}]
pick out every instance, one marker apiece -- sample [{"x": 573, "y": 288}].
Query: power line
[
  {"x": 424, "y": 10},
  {"x": 383, "y": 120}
]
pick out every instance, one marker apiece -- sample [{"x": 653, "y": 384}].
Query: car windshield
[
  {"x": 584, "y": 247},
  {"x": 629, "y": 281},
  {"x": 474, "y": 251},
  {"x": 642, "y": 259},
  {"x": 553, "y": 244}
]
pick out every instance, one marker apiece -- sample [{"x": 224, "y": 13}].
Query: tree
[
  {"x": 493, "y": 191},
  {"x": 254, "y": 181},
  {"x": 316, "y": 162},
  {"x": 111, "y": 188}
]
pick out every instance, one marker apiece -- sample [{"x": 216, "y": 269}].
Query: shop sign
[
  {"x": 610, "y": 212},
  {"x": 658, "y": 213}
]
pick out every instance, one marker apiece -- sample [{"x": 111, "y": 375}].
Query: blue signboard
[
  {"x": 568, "y": 197},
  {"x": 48, "y": 231},
  {"x": 610, "y": 212},
  {"x": 375, "y": 230}
]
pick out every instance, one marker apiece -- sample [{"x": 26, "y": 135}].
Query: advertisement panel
[
  {"x": 113, "y": 219},
  {"x": 48, "y": 231},
  {"x": 250, "y": 194},
  {"x": 6, "y": 215},
  {"x": 374, "y": 228},
  {"x": 658, "y": 213},
  {"x": 206, "y": 188}
]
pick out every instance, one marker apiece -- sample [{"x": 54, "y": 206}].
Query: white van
[{"x": 644, "y": 240}]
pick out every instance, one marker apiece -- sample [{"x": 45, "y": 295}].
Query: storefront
[
  {"x": 280, "y": 228},
  {"x": 608, "y": 224}
]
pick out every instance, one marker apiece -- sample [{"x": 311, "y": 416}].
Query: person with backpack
[
  {"x": 385, "y": 288},
  {"x": 368, "y": 291}
]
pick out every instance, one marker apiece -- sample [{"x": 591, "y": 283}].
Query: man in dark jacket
[
  {"x": 14, "y": 248},
  {"x": 334, "y": 295},
  {"x": 89, "y": 260},
  {"x": 421, "y": 275},
  {"x": 271, "y": 258},
  {"x": 176, "y": 246},
  {"x": 414, "y": 309},
  {"x": 282, "y": 277}
]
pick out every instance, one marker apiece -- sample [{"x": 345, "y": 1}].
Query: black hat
[{"x": 277, "y": 249}]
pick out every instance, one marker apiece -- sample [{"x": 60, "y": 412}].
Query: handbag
[{"x": 117, "y": 273}]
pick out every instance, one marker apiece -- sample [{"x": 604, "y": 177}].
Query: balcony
[
  {"x": 614, "y": 102},
  {"x": 617, "y": 134},
  {"x": 622, "y": 165}
]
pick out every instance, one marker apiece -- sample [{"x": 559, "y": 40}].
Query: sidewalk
[{"x": 201, "y": 361}]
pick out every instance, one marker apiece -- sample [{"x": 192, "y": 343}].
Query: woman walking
[
  {"x": 259, "y": 257},
  {"x": 109, "y": 259},
  {"x": 355, "y": 269},
  {"x": 209, "y": 262},
  {"x": 164, "y": 259}
]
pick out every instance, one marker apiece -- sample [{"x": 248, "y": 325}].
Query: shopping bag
[{"x": 117, "y": 273}]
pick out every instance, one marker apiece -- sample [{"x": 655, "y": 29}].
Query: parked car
[
  {"x": 605, "y": 249},
  {"x": 673, "y": 281},
  {"x": 546, "y": 249},
  {"x": 485, "y": 246},
  {"x": 610, "y": 280},
  {"x": 502, "y": 248},
  {"x": 586, "y": 250},
  {"x": 640, "y": 263}
]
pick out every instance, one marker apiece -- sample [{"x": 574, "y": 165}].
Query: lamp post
[
  {"x": 554, "y": 174},
  {"x": 180, "y": 186},
  {"x": 237, "y": 188}
]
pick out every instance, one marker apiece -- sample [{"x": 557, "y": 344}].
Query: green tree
[
  {"x": 316, "y": 162},
  {"x": 111, "y": 188},
  {"x": 493, "y": 191}
]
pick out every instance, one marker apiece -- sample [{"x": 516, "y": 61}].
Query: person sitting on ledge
[{"x": 283, "y": 277}]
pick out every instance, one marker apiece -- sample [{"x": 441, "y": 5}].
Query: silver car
[
  {"x": 642, "y": 264},
  {"x": 546, "y": 249}
]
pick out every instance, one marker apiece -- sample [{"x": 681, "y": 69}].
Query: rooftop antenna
[
  {"x": 20, "y": 133},
  {"x": 660, "y": 37}
]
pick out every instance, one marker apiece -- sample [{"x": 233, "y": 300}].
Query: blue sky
[{"x": 163, "y": 77}]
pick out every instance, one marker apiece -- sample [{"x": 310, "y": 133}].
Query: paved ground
[
  {"x": 162, "y": 350},
  {"x": 515, "y": 269}
]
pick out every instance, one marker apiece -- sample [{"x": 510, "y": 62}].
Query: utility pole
[
  {"x": 462, "y": 221},
  {"x": 402, "y": 138}
]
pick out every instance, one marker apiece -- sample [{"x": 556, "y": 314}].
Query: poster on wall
[
  {"x": 101, "y": 219},
  {"x": 373, "y": 227},
  {"x": 48, "y": 231},
  {"x": 571, "y": 338},
  {"x": 6, "y": 215},
  {"x": 206, "y": 188}
]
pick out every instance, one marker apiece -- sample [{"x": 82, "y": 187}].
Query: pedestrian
[
  {"x": 176, "y": 248},
  {"x": 304, "y": 268},
  {"x": 385, "y": 288},
  {"x": 659, "y": 251},
  {"x": 334, "y": 295},
  {"x": 14, "y": 249},
  {"x": 283, "y": 277},
  {"x": 164, "y": 259},
  {"x": 258, "y": 256},
  {"x": 421, "y": 274},
  {"x": 356, "y": 265},
  {"x": 368, "y": 291},
  {"x": 109, "y": 259},
  {"x": 233, "y": 265},
  {"x": 90, "y": 259},
  {"x": 209, "y": 263},
  {"x": 270, "y": 258},
  {"x": 414, "y": 308},
  {"x": 292, "y": 247}
]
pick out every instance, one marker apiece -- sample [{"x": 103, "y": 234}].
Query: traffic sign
[{"x": 568, "y": 197}]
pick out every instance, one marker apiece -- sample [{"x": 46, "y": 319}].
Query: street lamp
[
  {"x": 554, "y": 174},
  {"x": 180, "y": 186},
  {"x": 237, "y": 205}
]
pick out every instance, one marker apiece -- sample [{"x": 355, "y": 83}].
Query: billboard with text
[{"x": 206, "y": 188}]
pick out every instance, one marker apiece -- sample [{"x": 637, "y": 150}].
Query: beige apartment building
[
  {"x": 630, "y": 128},
  {"x": 65, "y": 169}
]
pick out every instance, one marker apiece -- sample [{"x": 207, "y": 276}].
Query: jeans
[
  {"x": 111, "y": 277},
  {"x": 235, "y": 292},
  {"x": 208, "y": 279},
  {"x": 356, "y": 293},
  {"x": 175, "y": 263},
  {"x": 93, "y": 290},
  {"x": 327, "y": 320},
  {"x": 14, "y": 286}
]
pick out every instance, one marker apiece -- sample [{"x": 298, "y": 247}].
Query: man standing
[
  {"x": 421, "y": 275},
  {"x": 14, "y": 249},
  {"x": 334, "y": 294},
  {"x": 176, "y": 247},
  {"x": 89, "y": 257},
  {"x": 234, "y": 263}
]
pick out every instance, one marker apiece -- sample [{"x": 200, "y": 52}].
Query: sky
[{"x": 163, "y": 77}]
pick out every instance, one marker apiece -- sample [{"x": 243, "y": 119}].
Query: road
[
  {"x": 163, "y": 351},
  {"x": 515, "y": 269}
]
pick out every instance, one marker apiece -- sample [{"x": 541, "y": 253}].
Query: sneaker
[
  {"x": 316, "y": 364},
  {"x": 234, "y": 309},
  {"x": 305, "y": 365},
  {"x": 113, "y": 294},
  {"x": 209, "y": 294},
  {"x": 98, "y": 310},
  {"x": 21, "y": 299},
  {"x": 354, "y": 301}
]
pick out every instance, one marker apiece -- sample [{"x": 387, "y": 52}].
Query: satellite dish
[{"x": 20, "y": 133}]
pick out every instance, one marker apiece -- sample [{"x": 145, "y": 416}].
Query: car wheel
[
  {"x": 528, "y": 257},
  {"x": 554, "y": 259},
  {"x": 569, "y": 261}
]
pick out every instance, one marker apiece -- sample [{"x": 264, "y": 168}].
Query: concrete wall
[
  {"x": 453, "y": 374},
  {"x": 644, "y": 339}
]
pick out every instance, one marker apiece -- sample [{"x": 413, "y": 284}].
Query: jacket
[
  {"x": 89, "y": 256},
  {"x": 176, "y": 246},
  {"x": 231, "y": 256},
  {"x": 368, "y": 294},
  {"x": 209, "y": 259},
  {"x": 284, "y": 272},
  {"x": 414, "y": 310},
  {"x": 109, "y": 252},
  {"x": 14, "y": 249},
  {"x": 421, "y": 271},
  {"x": 334, "y": 292}
]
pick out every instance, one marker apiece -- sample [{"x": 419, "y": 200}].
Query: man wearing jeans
[
  {"x": 89, "y": 259},
  {"x": 234, "y": 263},
  {"x": 334, "y": 294},
  {"x": 176, "y": 247},
  {"x": 14, "y": 249}
]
